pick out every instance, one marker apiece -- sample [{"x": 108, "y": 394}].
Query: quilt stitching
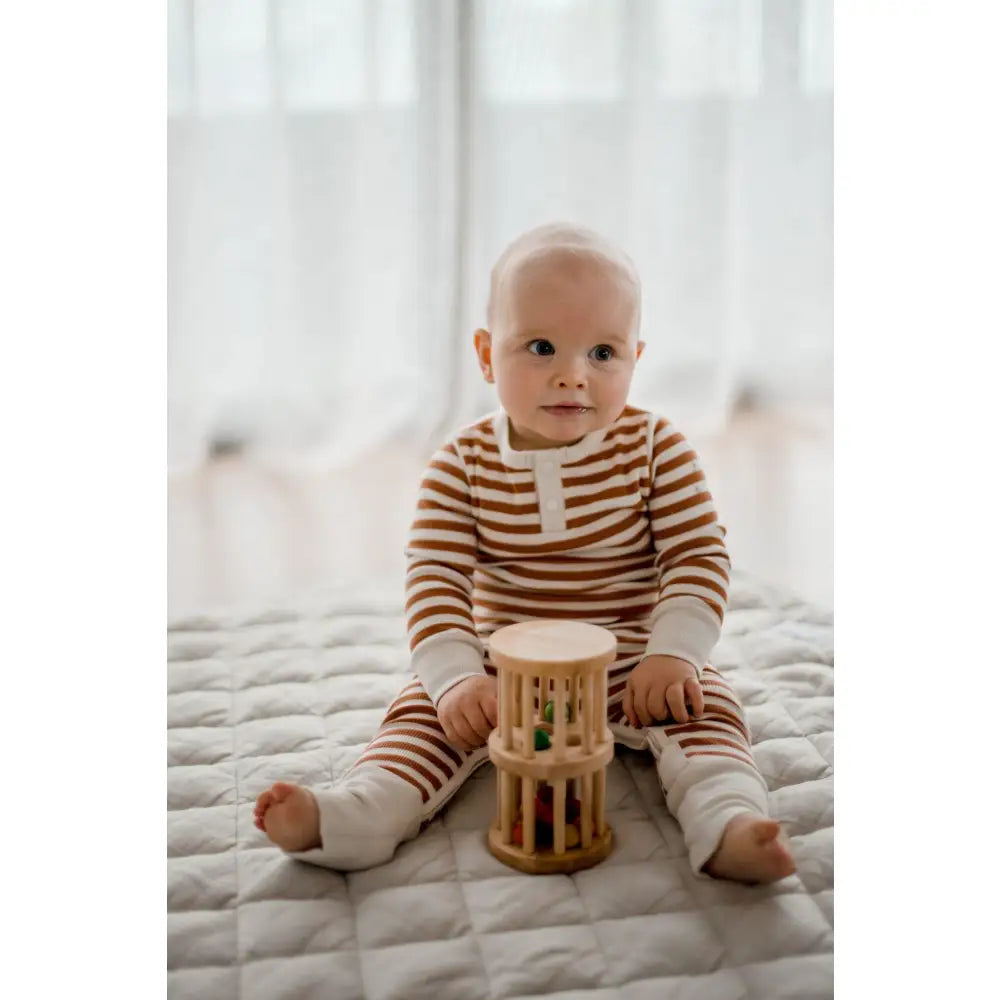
[{"x": 338, "y": 662}]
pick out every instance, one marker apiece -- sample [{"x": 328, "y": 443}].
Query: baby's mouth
[{"x": 564, "y": 410}]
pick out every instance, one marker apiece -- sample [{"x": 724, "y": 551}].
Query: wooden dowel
[
  {"x": 586, "y": 809},
  {"x": 528, "y": 814},
  {"x": 528, "y": 716},
  {"x": 588, "y": 714},
  {"x": 599, "y": 791},
  {"x": 560, "y": 719},
  {"x": 507, "y": 709},
  {"x": 559, "y": 816},
  {"x": 574, "y": 699},
  {"x": 503, "y": 709},
  {"x": 506, "y": 806},
  {"x": 603, "y": 721},
  {"x": 598, "y": 708}
]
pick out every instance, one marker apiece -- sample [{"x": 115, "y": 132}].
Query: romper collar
[{"x": 587, "y": 445}]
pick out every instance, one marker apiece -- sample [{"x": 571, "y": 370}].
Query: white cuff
[
  {"x": 363, "y": 819},
  {"x": 441, "y": 664},
  {"x": 684, "y": 627},
  {"x": 709, "y": 805}
]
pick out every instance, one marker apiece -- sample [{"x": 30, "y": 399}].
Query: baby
[{"x": 567, "y": 503}]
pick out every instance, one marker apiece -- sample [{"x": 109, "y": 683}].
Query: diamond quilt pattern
[{"x": 296, "y": 693}]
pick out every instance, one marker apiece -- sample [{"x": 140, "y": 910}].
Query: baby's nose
[{"x": 574, "y": 378}]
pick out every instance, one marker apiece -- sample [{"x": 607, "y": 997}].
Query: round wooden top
[{"x": 552, "y": 647}]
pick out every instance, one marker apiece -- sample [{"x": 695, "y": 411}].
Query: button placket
[{"x": 548, "y": 482}]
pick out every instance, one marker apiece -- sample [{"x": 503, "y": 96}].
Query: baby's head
[{"x": 563, "y": 337}]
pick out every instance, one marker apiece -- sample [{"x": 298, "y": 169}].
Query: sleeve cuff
[
  {"x": 685, "y": 628},
  {"x": 441, "y": 665}
]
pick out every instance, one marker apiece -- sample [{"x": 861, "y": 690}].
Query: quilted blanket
[{"x": 295, "y": 693}]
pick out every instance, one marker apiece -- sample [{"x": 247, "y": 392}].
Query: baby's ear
[
  {"x": 639, "y": 348},
  {"x": 484, "y": 350}
]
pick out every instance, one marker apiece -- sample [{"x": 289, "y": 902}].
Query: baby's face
[{"x": 562, "y": 353}]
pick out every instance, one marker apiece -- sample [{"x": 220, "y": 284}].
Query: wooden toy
[{"x": 552, "y": 746}]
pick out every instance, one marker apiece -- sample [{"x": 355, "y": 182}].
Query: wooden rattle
[{"x": 552, "y": 735}]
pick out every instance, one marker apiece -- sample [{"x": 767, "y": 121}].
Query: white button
[{"x": 551, "y": 504}]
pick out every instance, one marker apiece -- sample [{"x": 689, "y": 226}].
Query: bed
[{"x": 296, "y": 692}]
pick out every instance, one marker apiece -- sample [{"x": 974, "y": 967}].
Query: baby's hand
[
  {"x": 658, "y": 687},
  {"x": 468, "y": 712}
]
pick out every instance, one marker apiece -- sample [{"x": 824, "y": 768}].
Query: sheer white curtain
[{"x": 342, "y": 174}]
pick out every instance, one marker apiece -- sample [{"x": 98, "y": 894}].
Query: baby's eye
[
  {"x": 541, "y": 347},
  {"x": 602, "y": 353}
]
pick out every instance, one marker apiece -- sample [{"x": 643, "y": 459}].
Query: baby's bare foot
[
  {"x": 288, "y": 814},
  {"x": 753, "y": 849}
]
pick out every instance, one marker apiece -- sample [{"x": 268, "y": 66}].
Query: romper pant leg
[
  {"x": 706, "y": 767},
  {"x": 402, "y": 779}
]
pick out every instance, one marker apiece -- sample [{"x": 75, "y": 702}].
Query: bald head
[{"x": 558, "y": 243}]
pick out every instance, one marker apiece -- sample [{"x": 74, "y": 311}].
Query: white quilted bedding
[{"x": 295, "y": 693}]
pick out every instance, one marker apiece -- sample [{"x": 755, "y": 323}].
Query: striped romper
[{"x": 618, "y": 530}]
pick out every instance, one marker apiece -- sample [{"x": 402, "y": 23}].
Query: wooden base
[{"x": 545, "y": 862}]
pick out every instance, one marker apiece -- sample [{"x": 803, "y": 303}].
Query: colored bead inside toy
[
  {"x": 545, "y": 821},
  {"x": 549, "y": 712}
]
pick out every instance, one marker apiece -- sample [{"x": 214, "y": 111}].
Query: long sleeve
[
  {"x": 691, "y": 557},
  {"x": 441, "y": 558}
]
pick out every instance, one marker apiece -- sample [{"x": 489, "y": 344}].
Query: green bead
[
  {"x": 549, "y": 712},
  {"x": 542, "y": 741}
]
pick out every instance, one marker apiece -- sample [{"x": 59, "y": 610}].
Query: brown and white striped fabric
[
  {"x": 618, "y": 530},
  {"x": 412, "y": 745}
]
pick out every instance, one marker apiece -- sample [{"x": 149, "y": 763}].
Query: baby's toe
[
  {"x": 766, "y": 830},
  {"x": 280, "y": 790},
  {"x": 782, "y": 860}
]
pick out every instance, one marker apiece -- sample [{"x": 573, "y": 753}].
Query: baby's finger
[
  {"x": 491, "y": 709},
  {"x": 452, "y": 734},
  {"x": 478, "y": 723},
  {"x": 468, "y": 735},
  {"x": 675, "y": 699},
  {"x": 692, "y": 687},
  {"x": 656, "y": 702},
  {"x": 627, "y": 708},
  {"x": 639, "y": 702}
]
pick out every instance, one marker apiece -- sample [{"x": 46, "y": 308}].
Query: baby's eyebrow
[{"x": 612, "y": 340}]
